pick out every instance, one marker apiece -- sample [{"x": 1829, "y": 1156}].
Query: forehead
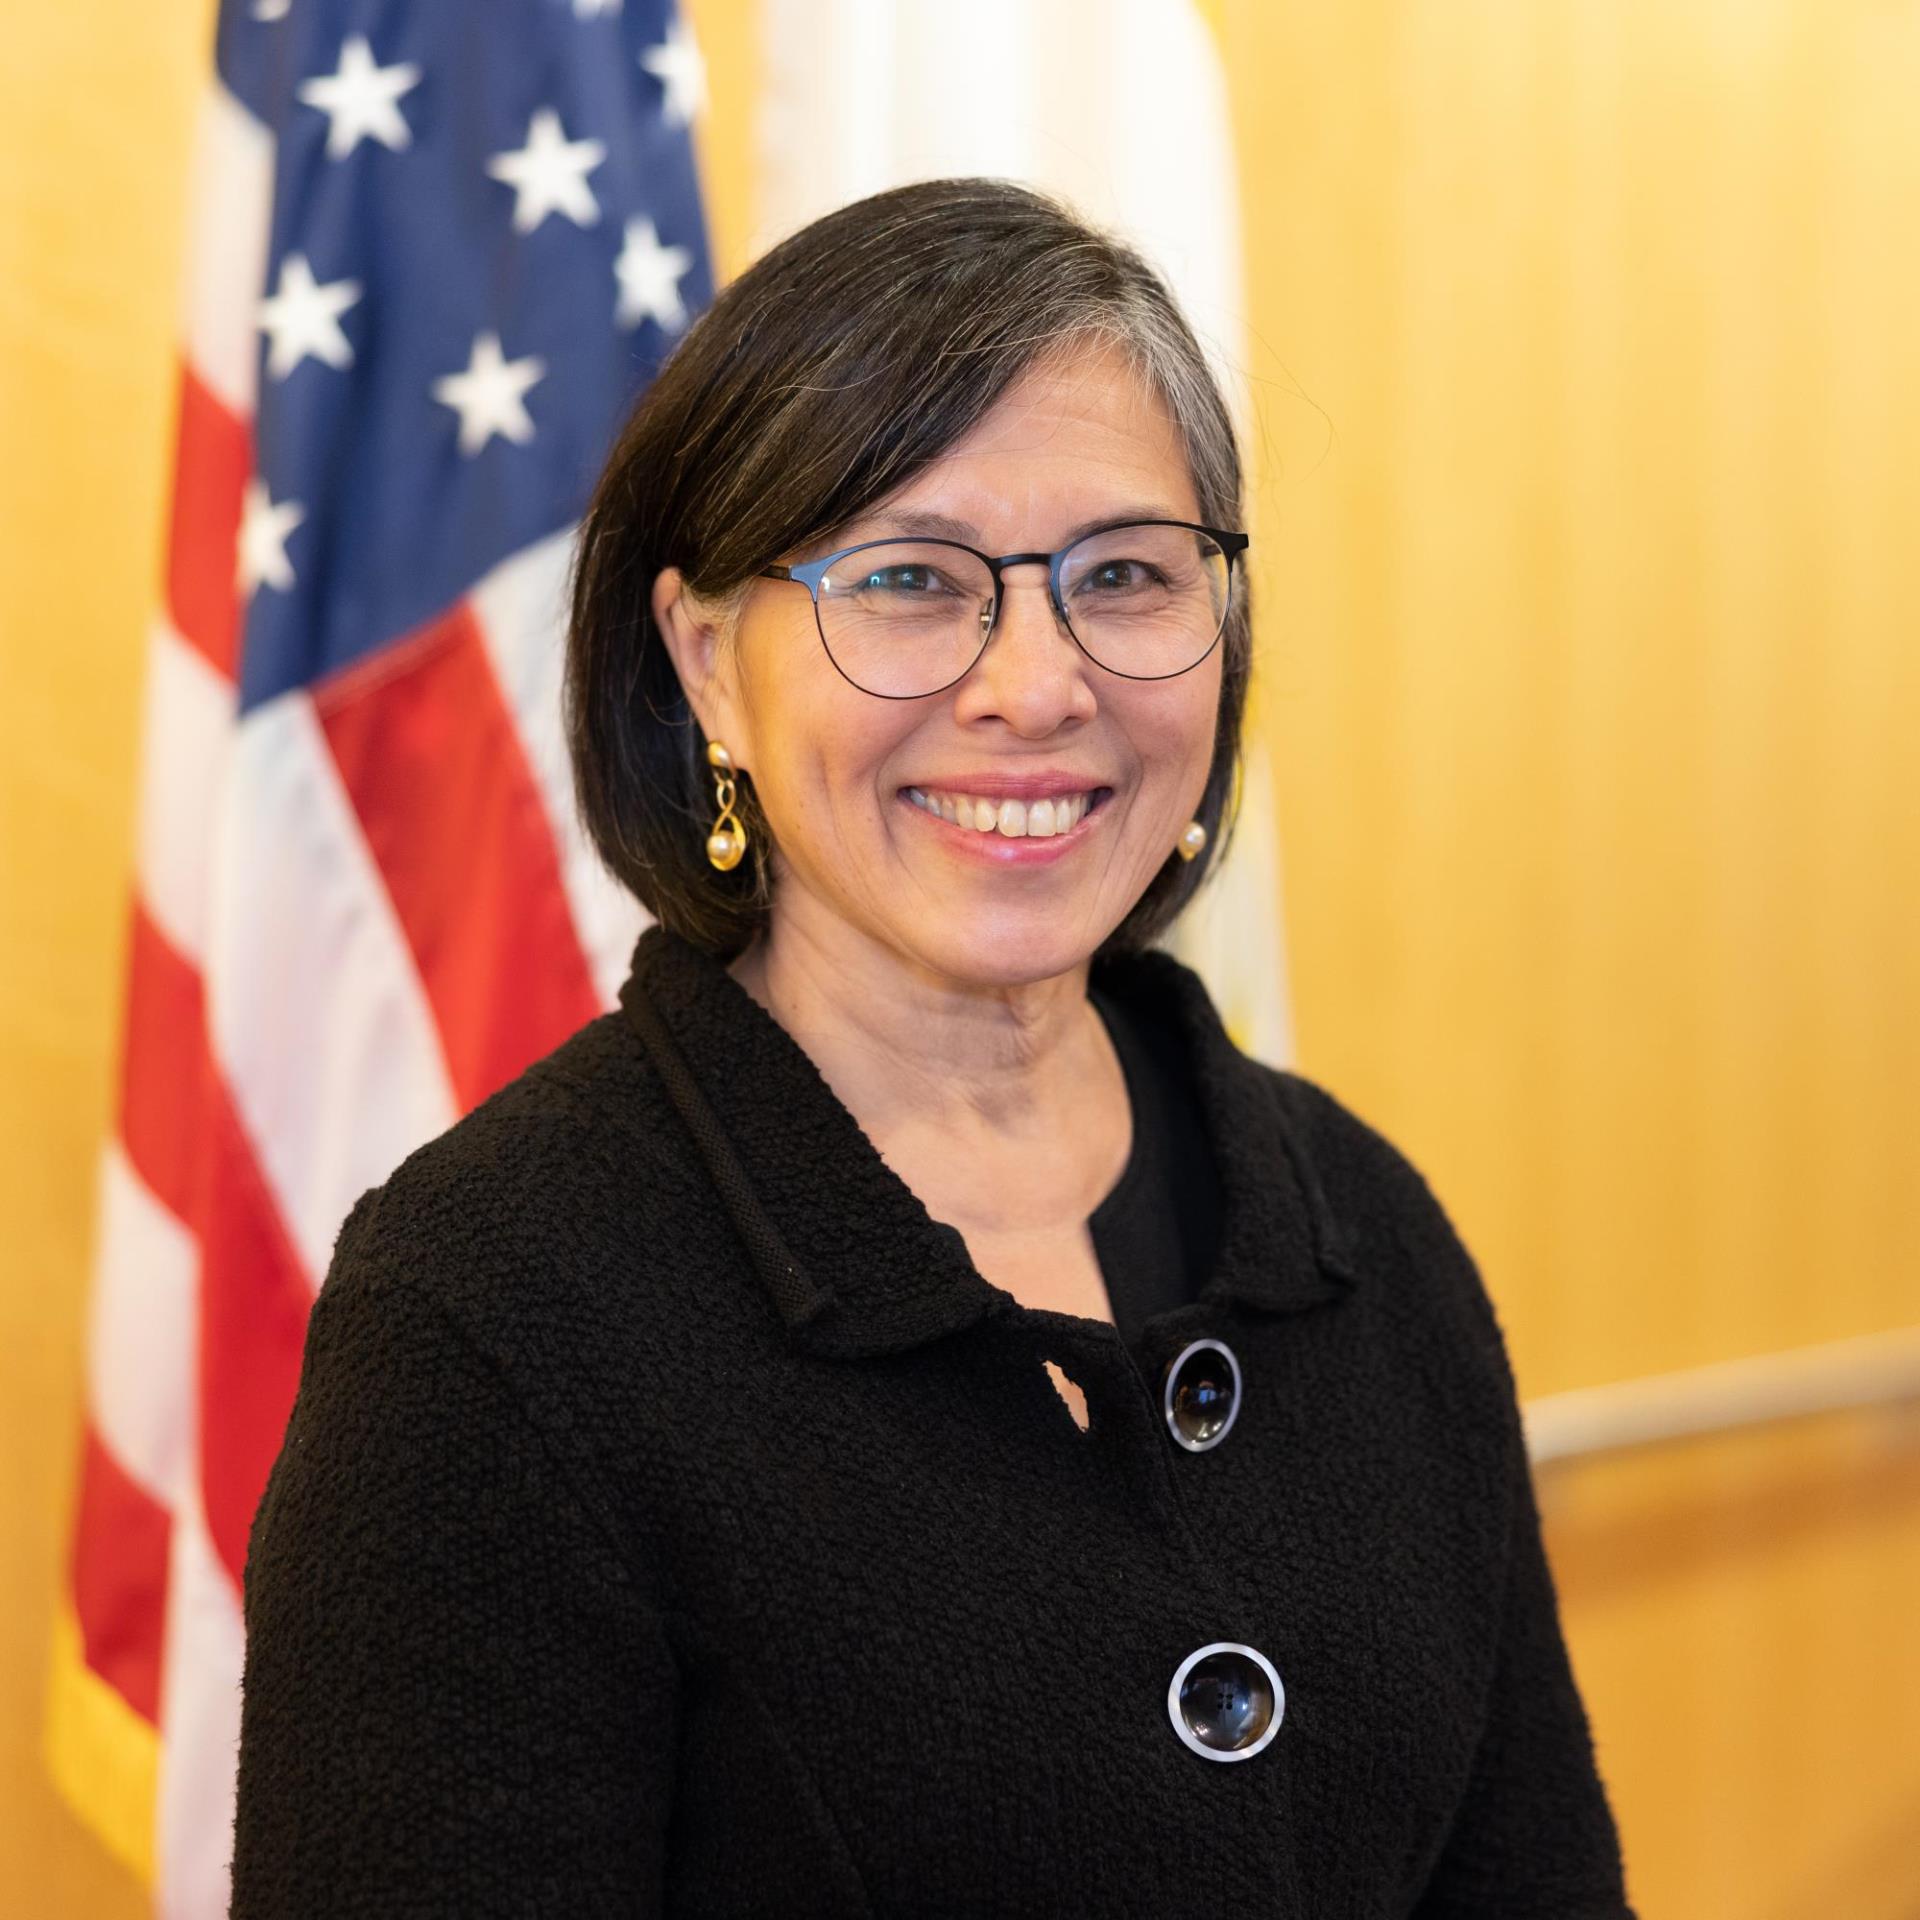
[{"x": 1089, "y": 400}]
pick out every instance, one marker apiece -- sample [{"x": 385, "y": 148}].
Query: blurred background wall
[
  {"x": 1586, "y": 372},
  {"x": 95, "y": 117}
]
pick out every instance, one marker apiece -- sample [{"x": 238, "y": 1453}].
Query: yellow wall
[
  {"x": 1589, "y": 363},
  {"x": 95, "y": 106},
  {"x": 1588, "y": 390}
]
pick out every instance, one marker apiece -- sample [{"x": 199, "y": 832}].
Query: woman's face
[{"x": 1078, "y": 442}]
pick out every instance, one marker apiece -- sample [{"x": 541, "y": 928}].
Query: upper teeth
[{"x": 1032, "y": 819}]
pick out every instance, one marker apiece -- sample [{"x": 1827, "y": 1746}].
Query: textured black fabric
[
  {"x": 1156, "y": 1229},
  {"x": 673, "y": 1521}
]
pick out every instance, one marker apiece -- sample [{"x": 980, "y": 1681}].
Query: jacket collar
[{"x": 851, "y": 1257}]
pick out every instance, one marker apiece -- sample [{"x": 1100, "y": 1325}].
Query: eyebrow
[{"x": 940, "y": 526}]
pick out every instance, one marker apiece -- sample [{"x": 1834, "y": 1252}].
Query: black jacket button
[
  {"x": 1226, "y": 1700},
  {"x": 1201, "y": 1394}
]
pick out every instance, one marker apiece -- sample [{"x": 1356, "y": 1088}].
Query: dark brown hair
[{"x": 821, "y": 381}]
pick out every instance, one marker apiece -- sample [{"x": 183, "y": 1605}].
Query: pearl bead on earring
[
  {"x": 1192, "y": 840},
  {"x": 724, "y": 845}
]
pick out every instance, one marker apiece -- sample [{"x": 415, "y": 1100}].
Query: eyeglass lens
[{"x": 908, "y": 617}]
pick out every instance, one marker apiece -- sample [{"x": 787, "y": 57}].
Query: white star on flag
[
  {"x": 649, "y": 276},
  {"x": 271, "y": 9},
  {"x": 263, "y": 539},
  {"x": 304, "y": 318},
  {"x": 361, "y": 100},
  {"x": 490, "y": 396},
  {"x": 677, "y": 65},
  {"x": 549, "y": 174},
  {"x": 587, "y": 9}
]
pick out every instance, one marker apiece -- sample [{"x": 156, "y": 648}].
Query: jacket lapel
[{"x": 849, "y": 1254}]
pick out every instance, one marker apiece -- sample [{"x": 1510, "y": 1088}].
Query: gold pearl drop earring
[
  {"x": 725, "y": 844},
  {"x": 1191, "y": 841}
]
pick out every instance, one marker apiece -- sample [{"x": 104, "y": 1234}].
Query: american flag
[{"x": 435, "y": 252}]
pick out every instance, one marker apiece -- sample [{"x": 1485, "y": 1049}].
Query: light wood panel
[
  {"x": 1590, "y": 399},
  {"x": 1591, "y": 395}
]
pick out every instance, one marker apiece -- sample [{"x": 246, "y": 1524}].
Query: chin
[{"x": 1010, "y": 955}]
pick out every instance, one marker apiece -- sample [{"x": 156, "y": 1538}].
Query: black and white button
[
  {"x": 1226, "y": 1700},
  {"x": 1201, "y": 1394}
]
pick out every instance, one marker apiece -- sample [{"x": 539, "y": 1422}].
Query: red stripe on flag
[
  {"x": 213, "y": 457},
  {"x": 119, "y": 1574},
  {"x": 185, "y": 1138},
  {"x": 163, "y": 1060},
  {"x": 434, "y": 764},
  {"x": 254, "y": 1299}
]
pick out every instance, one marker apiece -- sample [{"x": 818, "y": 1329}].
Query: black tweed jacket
[{"x": 673, "y": 1521}]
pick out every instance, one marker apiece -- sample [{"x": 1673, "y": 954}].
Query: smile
[{"x": 1013, "y": 819}]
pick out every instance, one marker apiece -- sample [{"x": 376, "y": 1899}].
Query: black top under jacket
[
  {"x": 673, "y": 1520},
  {"x": 1156, "y": 1233}
]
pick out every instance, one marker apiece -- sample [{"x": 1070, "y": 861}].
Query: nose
[{"x": 1032, "y": 671}]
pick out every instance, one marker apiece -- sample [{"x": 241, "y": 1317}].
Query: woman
[{"x": 904, "y": 1417}]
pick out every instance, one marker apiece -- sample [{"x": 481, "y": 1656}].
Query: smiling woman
[
  {"x": 952, "y": 364},
  {"x": 904, "y": 1416}
]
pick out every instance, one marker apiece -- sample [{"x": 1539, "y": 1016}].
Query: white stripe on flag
[
  {"x": 199, "y": 1724},
  {"x": 318, "y": 1018},
  {"x": 186, "y": 743},
  {"x": 230, "y": 210},
  {"x": 141, "y": 1331}
]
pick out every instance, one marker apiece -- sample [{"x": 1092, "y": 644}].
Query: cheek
[
  {"x": 1203, "y": 721},
  {"x": 1172, "y": 730},
  {"x": 828, "y": 768}
]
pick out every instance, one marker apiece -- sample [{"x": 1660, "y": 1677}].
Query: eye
[
  {"x": 1121, "y": 576},
  {"x": 911, "y": 578}
]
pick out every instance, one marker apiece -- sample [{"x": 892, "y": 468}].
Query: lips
[{"x": 992, "y": 847}]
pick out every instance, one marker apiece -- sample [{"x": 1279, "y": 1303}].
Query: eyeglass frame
[{"x": 809, "y": 574}]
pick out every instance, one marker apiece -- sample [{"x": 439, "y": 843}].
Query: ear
[{"x": 705, "y": 662}]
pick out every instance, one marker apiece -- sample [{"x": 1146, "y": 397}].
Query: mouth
[{"x": 1060, "y": 816}]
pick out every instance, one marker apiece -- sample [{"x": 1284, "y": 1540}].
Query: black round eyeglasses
[{"x": 903, "y": 618}]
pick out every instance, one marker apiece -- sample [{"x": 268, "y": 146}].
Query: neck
[{"x": 1001, "y": 1104}]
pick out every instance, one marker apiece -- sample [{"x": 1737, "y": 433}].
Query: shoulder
[
  {"x": 1399, "y": 1235},
  {"x": 531, "y": 1259},
  {"x": 531, "y": 1200},
  {"x": 1379, "y": 1191}
]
